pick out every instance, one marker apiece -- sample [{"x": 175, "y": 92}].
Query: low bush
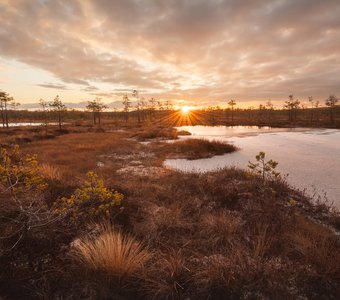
[
  {"x": 92, "y": 199},
  {"x": 19, "y": 173}
]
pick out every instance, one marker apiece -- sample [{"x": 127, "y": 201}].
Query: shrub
[
  {"x": 112, "y": 253},
  {"x": 92, "y": 199},
  {"x": 19, "y": 173},
  {"x": 23, "y": 211}
]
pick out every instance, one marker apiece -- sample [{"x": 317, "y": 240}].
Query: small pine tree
[
  {"x": 59, "y": 107},
  {"x": 265, "y": 169}
]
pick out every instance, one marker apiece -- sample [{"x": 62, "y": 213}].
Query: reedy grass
[
  {"x": 50, "y": 172},
  {"x": 112, "y": 253}
]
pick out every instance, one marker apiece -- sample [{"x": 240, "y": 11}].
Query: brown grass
[
  {"x": 183, "y": 132},
  {"x": 220, "y": 227},
  {"x": 168, "y": 277},
  {"x": 50, "y": 172},
  {"x": 315, "y": 244},
  {"x": 153, "y": 132},
  {"x": 262, "y": 240},
  {"x": 78, "y": 153},
  {"x": 218, "y": 235},
  {"x": 112, "y": 253},
  {"x": 197, "y": 148}
]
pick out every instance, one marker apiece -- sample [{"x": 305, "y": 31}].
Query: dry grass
[
  {"x": 220, "y": 276},
  {"x": 220, "y": 227},
  {"x": 262, "y": 240},
  {"x": 153, "y": 132},
  {"x": 78, "y": 153},
  {"x": 316, "y": 245},
  {"x": 51, "y": 172},
  {"x": 164, "y": 225},
  {"x": 219, "y": 235},
  {"x": 183, "y": 132},
  {"x": 112, "y": 253},
  {"x": 168, "y": 277},
  {"x": 196, "y": 148}
]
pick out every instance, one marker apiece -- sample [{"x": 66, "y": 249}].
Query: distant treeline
[
  {"x": 320, "y": 116},
  {"x": 293, "y": 113}
]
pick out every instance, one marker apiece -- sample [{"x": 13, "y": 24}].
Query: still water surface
[
  {"x": 311, "y": 157},
  {"x": 30, "y": 124}
]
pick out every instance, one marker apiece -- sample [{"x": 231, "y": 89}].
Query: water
[
  {"x": 30, "y": 124},
  {"x": 311, "y": 157}
]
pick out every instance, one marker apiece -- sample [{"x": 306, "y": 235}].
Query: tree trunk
[
  {"x": 138, "y": 114},
  {"x": 6, "y": 115},
  {"x": 59, "y": 120},
  {"x": 290, "y": 114},
  {"x": 312, "y": 115},
  {"x": 331, "y": 115},
  {"x": 3, "y": 116}
]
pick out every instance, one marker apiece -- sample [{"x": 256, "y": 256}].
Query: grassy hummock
[{"x": 197, "y": 148}]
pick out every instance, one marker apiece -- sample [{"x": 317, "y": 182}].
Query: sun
[{"x": 185, "y": 109}]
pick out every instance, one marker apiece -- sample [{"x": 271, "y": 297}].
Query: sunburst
[{"x": 185, "y": 109}]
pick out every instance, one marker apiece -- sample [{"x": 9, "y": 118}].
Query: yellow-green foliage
[
  {"x": 92, "y": 198},
  {"x": 19, "y": 173}
]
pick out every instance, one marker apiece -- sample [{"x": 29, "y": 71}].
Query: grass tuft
[
  {"x": 51, "y": 172},
  {"x": 220, "y": 227},
  {"x": 112, "y": 253}
]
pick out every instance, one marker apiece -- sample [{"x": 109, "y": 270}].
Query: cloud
[
  {"x": 69, "y": 105},
  {"x": 90, "y": 88},
  {"x": 104, "y": 94},
  {"x": 56, "y": 86},
  {"x": 197, "y": 50}
]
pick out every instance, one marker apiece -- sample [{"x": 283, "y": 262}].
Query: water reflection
[{"x": 311, "y": 157}]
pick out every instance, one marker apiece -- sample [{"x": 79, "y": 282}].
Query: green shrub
[
  {"x": 92, "y": 198},
  {"x": 19, "y": 173}
]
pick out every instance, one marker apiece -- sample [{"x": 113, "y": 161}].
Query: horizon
[{"x": 193, "y": 53}]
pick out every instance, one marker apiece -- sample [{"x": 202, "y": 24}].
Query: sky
[{"x": 193, "y": 52}]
